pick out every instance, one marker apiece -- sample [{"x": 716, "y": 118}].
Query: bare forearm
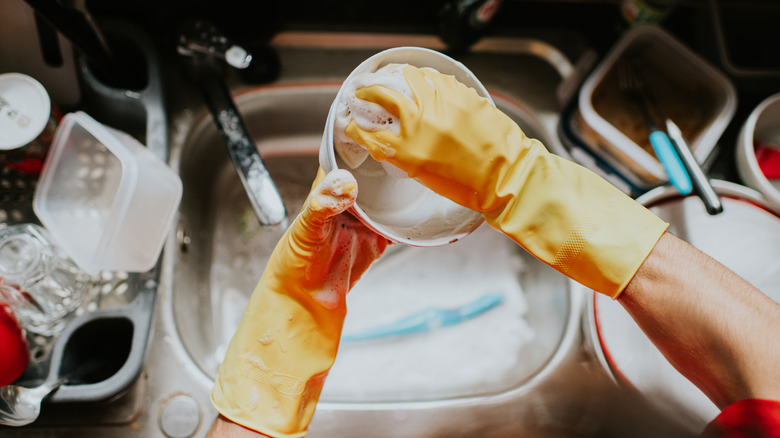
[
  {"x": 224, "y": 428},
  {"x": 714, "y": 327}
]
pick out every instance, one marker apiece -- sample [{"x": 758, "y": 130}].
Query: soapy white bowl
[{"x": 413, "y": 215}]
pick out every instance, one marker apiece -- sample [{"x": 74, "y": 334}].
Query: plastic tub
[
  {"x": 696, "y": 96},
  {"x": 105, "y": 198}
]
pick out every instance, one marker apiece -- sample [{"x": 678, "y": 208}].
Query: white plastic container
[
  {"x": 696, "y": 96},
  {"x": 105, "y": 198},
  {"x": 402, "y": 209}
]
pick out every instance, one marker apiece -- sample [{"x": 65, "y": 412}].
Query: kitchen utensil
[
  {"x": 393, "y": 205},
  {"x": 697, "y": 96},
  {"x": 428, "y": 319},
  {"x": 632, "y": 86},
  {"x": 20, "y": 406},
  {"x": 107, "y": 200},
  {"x": 121, "y": 321},
  {"x": 701, "y": 184}
]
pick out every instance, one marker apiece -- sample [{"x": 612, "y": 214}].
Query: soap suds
[
  {"x": 400, "y": 207},
  {"x": 483, "y": 354},
  {"x": 368, "y": 115}
]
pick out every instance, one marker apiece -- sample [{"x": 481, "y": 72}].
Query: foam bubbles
[
  {"x": 397, "y": 206},
  {"x": 368, "y": 115}
]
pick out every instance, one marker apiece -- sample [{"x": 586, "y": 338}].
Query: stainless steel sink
[
  {"x": 217, "y": 252},
  {"x": 222, "y": 250}
]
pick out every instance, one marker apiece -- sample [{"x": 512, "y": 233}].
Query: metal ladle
[{"x": 20, "y": 406}]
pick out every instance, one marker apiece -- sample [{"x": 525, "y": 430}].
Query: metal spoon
[{"x": 20, "y": 406}]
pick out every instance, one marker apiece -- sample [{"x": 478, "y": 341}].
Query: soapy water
[
  {"x": 481, "y": 355},
  {"x": 486, "y": 354}
]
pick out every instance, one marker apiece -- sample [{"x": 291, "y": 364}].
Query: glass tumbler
[{"x": 41, "y": 283}]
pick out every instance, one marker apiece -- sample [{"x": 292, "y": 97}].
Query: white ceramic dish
[
  {"x": 763, "y": 124},
  {"x": 418, "y": 216}
]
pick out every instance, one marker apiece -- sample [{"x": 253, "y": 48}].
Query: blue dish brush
[{"x": 428, "y": 319}]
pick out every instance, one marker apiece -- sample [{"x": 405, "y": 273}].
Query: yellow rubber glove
[
  {"x": 278, "y": 359},
  {"x": 456, "y": 143}
]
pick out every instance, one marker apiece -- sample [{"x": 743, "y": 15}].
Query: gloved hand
[
  {"x": 278, "y": 359},
  {"x": 456, "y": 143}
]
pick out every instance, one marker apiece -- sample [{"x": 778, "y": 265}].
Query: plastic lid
[{"x": 24, "y": 110}]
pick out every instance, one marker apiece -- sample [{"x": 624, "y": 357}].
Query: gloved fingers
[
  {"x": 426, "y": 84},
  {"x": 326, "y": 249},
  {"x": 392, "y": 101},
  {"x": 332, "y": 194},
  {"x": 378, "y": 143}
]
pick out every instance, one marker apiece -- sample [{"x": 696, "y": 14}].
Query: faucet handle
[{"x": 198, "y": 37}]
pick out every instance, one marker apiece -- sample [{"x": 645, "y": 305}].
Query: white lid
[{"x": 24, "y": 110}]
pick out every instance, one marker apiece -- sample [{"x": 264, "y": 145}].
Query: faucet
[{"x": 207, "y": 49}]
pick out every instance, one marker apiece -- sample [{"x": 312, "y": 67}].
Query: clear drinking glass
[{"x": 41, "y": 283}]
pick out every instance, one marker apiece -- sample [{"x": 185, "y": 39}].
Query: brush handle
[
  {"x": 428, "y": 319},
  {"x": 668, "y": 157},
  {"x": 702, "y": 185}
]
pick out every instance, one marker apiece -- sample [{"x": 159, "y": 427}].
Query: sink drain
[{"x": 180, "y": 417}]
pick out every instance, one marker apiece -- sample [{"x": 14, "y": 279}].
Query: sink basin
[
  {"x": 221, "y": 252},
  {"x": 222, "y": 249}
]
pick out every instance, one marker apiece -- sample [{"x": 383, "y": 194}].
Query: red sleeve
[{"x": 751, "y": 418}]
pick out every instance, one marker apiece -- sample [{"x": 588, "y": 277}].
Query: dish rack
[{"x": 101, "y": 351}]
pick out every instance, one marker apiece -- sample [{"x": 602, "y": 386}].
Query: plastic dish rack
[{"x": 101, "y": 351}]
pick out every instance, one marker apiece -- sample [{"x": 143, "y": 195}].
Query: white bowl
[
  {"x": 402, "y": 209},
  {"x": 763, "y": 124}
]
